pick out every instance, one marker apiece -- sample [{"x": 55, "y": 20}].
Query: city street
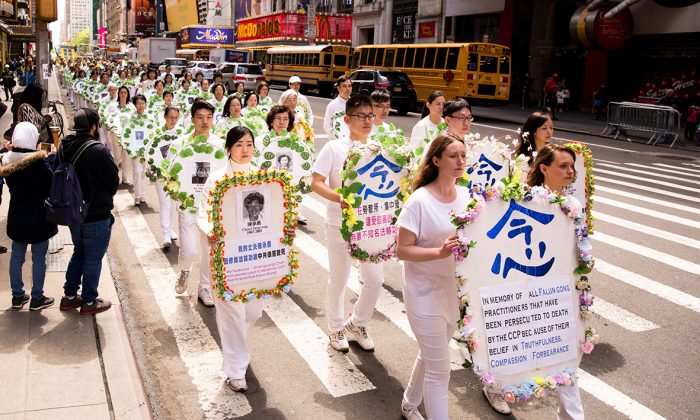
[
  {"x": 647, "y": 304},
  {"x": 647, "y": 240}
]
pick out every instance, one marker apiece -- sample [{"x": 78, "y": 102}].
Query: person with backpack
[
  {"x": 28, "y": 177},
  {"x": 98, "y": 181}
]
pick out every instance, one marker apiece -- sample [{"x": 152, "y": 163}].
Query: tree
[{"x": 82, "y": 41}]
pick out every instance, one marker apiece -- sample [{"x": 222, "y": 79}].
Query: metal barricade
[{"x": 662, "y": 121}]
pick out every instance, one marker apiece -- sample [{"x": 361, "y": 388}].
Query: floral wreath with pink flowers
[{"x": 506, "y": 190}]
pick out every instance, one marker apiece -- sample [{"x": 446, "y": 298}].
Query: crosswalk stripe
[
  {"x": 648, "y": 230},
  {"x": 650, "y": 253},
  {"x": 658, "y": 172},
  {"x": 197, "y": 348},
  {"x": 651, "y": 286},
  {"x": 614, "y": 398},
  {"x": 670, "y": 171},
  {"x": 335, "y": 370},
  {"x": 651, "y": 181},
  {"x": 691, "y": 165},
  {"x": 650, "y": 200},
  {"x": 621, "y": 317},
  {"x": 617, "y": 182},
  {"x": 387, "y": 305}
]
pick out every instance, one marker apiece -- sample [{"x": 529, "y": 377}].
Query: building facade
[{"x": 81, "y": 16}]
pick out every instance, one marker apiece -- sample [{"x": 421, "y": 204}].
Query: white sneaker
[
  {"x": 167, "y": 244},
  {"x": 339, "y": 342},
  {"x": 237, "y": 385},
  {"x": 360, "y": 335},
  {"x": 137, "y": 201},
  {"x": 411, "y": 414},
  {"x": 173, "y": 236},
  {"x": 181, "y": 285},
  {"x": 497, "y": 402},
  {"x": 302, "y": 219},
  {"x": 205, "y": 297}
]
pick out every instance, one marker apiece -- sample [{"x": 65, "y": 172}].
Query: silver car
[
  {"x": 206, "y": 67},
  {"x": 249, "y": 74}
]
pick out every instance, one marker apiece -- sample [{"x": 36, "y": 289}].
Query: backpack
[{"x": 65, "y": 205}]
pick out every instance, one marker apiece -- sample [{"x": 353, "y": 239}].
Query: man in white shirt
[
  {"x": 295, "y": 84},
  {"x": 344, "y": 86},
  {"x": 328, "y": 165}
]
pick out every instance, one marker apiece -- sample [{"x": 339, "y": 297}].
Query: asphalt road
[{"x": 647, "y": 242}]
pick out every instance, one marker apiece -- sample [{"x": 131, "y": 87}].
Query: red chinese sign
[
  {"x": 290, "y": 26},
  {"x": 426, "y": 29}
]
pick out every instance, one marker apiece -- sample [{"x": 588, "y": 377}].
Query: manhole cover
[{"x": 677, "y": 157}]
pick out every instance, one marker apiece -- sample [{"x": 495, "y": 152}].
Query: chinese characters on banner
[
  {"x": 380, "y": 178},
  {"x": 248, "y": 260},
  {"x": 522, "y": 296},
  {"x": 488, "y": 161}
]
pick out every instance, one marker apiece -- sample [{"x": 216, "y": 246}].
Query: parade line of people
[{"x": 131, "y": 124}]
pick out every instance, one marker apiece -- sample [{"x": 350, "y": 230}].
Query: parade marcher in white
[
  {"x": 302, "y": 101},
  {"x": 336, "y": 106},
  {"x": 553, "y": 168},
  {"x": 458, "y": 117},
  {"x": 328, "y": 165},
  {"x": 202, "y": 118},
  {"x": 117, "y": 114},
  {"x": 381, "y": 105},
  {"x": 536, "y": 133},
  {"x": 139, "y": 177},
  {"x": 425, "y": 242},
  {"x": 233, "y": 319},
  {"x": 427, "y": 127},
  {"x": 264, "y": 100}
]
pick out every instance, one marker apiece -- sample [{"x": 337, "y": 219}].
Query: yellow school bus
[
  {"x": 474, "y": 71},
  {"x": 317, "y": 66}
]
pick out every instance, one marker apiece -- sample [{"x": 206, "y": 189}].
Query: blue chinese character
[
  {"x": 520, "y": 227},
  {"x": 380, "y": 167},
  {"x": 484, "y": 164}
]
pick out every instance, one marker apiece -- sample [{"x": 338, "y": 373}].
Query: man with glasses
[
  {"x": 458, "y": 117},
  {"x": 336, "y": 108},
  {"x": 358, "y": 117},
  {"x": 381, "y": 105}
]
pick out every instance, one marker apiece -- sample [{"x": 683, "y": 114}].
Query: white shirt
[
  {"x": 334, "y": 106},
  {"x": 430, "y": 287},
  {"x": 422, "y": 130},
  {"x": 386, "y": 126},
  {"x": 328, "y": 164},
  {"x": 301, "y": 99}
]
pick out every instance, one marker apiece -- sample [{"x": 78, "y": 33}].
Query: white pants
[
  {"x": 189, "y": 240},
  {"x": 430, "y": 377},
  {"x": 339, "y": 263},
  {"x": 168, "y": 211},
  {"x": 139, "y": 178},
  {"x": 121, "y": 159},
  {"x": 204, "y": 267},
  {"x": 570, "y": 405},
  {"x": 234, "y": 320}
]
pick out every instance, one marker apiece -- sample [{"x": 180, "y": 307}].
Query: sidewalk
[
  {"x": 63, "y": 365},
  {"x": 577, "y": 122}
]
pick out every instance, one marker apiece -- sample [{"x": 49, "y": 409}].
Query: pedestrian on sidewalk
[
  {"x": 8, "y": 82},
  {"x": 28, "y": 177},
  {"x": 98, "y": 178},
  {"x": 691, "y": 122},
  {"x": 601, "y": 97},
  {"x": 550, "y": 94}
]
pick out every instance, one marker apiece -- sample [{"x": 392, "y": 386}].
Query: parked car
[
  {"x": 249, "y": 74},
  {"x": 176, "y": 65},
  {"x": 403, "y": 95},
  {"x": 206, "y": 67}
]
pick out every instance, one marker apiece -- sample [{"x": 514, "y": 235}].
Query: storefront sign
[
  {"x": 404, "y": 28},
  {"x": 291, "y": 25},
  {"x": 145, "y": 21},
  {"x": 211, "y": 36},
  {"x": 260, "y": 28},
  {"x": 426, "y": 30}
]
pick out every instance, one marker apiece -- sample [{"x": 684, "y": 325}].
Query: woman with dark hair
[
  {"x": 425, "y": 241},
  {"x": 264, "y": 100},
  {"x": 251, "y": 105},
  {"x": 218, "y": 100},
  {"x": 535, "y": 134},
  {"x": 29, "y": 109},
  {"x": 279, "y": 119},
  {"x": 118, "y": 114},
  {"x": 458, "y": 117},
  {"x": 232, "y": 117},
  {"x": 233, "y": 319},
  {"x": 427, "y": 128}
]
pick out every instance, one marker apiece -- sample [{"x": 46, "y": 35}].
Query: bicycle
[{"x": 56, "y": 118}]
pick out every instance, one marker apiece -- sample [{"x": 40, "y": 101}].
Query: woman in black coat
[{"x": 28, "y": 176}]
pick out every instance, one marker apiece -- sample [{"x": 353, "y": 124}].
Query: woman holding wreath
[
  {"x": 233, "y": 319},
  {"x": 425, "y": 241}
]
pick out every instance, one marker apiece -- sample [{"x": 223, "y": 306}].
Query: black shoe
[
  {"x": 39, "y": 304},
  {"x": 71, "y": 303},
  {"x": 3, "y": 249},
  {"x": 95, "y": 307},
  {"x": 19, "y": 301}
]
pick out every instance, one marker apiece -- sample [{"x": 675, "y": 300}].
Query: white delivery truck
[{"x": 155, "y": 50}]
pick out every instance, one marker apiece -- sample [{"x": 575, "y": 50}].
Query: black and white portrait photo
[
  {"x": 254, "y": 210},
  {"x": 284, "y": 161},
  {"x": 201, "y": 172}
]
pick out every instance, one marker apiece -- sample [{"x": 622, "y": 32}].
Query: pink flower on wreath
[
  {"x": 566, "y": 379},
  {"x": 487, "y": 378},
  {"x": 587, "y": 347},
  {"x": 509, "y": 397},
  {"x": 467, "y": 319}
]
